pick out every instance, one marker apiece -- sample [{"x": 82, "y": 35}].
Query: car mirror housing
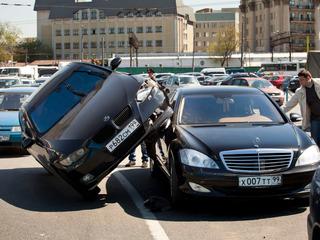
[
  {"x": 295, "y": 117},
  {"x": 115, "y": 63}
]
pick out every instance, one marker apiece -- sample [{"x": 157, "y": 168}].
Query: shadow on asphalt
[
  {"x": 198, "y": 209},
  {"x": 34, "y": 189}
]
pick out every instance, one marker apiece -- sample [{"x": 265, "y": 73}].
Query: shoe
[
  {"x": 144, "y": 164},
  {"x": 130, "y": 164}
]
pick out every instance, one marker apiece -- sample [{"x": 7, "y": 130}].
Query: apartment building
[
  {"x": 209, "y": 21},
  {"x": 80, "y": 29},
  {"x": 280, "y": 25}
]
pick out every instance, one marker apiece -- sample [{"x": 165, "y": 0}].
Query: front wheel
[{"x": 175, "y": 193}]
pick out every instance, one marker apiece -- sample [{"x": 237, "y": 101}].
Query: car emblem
[
  {"x": 257, "y": 142},
  {"x": 106, "y": 118}
]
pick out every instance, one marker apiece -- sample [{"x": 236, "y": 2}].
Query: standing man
[{"x": 308, "y": 97}]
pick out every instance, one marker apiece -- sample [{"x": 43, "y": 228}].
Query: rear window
[
  {"x": 65, "y": 97},
  {"x": 12, "y": 101},
  {"x": 188, "y": 80},
  {"x": 233, "y": 108}
]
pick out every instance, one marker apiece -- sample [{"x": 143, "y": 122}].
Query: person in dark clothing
[{"x": 308, "y": 97}]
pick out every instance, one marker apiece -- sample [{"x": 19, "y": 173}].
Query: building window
[
  {"x": 101, "y": 14},
  {"x": 130, "y": 15},
  {"x": 76, "y": 16},
  {"x": 93, "y": 44},
  {"x": 111, "y": 44},
  {"x": 58, "y": 32},
  {"x": 129, "y": 30},
  {"x": 149, "y": 14},
  {"x": 104, "y": 45},
  {"x": 158, "y": 14},
  {"x": 198, "y": 35},
  {"x": 139, "y": 29},
  {"x": 66, "y": 45},
  {"x": 75, "y": 32},
  {"x": 84, "y": 31},
  {"x": 93, "y": 14},
  {"x": 75, "y": 56},
  {"x": 120, "y": 30},
  {"x": 93, "y": 31},
  {"x": 85, "y": 45},
  {"x": 111, "y": 31},
  {"x": 67, "y": 32},
  {"x": 139, "y": 14},
  {"x": 75, "y": 45},
  {"x": 67, "y": 56},
  {"x": 121, "y": 44},
  {"x": 58, "y": 45},
  {"x": 149, "y": 43},
  {"x": 84, "y": 15},
  {"x": 58, "y": 56},
  {"x": 102, "y": 31},
  {"x": 149, "y": 30},
  {"x": 158, "y": 43},
  {"x": 158, "y": 29}
]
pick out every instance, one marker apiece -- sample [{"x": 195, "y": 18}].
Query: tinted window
[
  {"x": 261, "y": 84},
  {"x": 235, "y": 108},
  {"x": 12, "y": 101},
  {"x": 188, "y": 80},
  {"x": 67, "y": 95}
]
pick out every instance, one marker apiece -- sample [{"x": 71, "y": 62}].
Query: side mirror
[
  {"x": 176, "y": 83},
  {"x": 115, "y": 63},
  {"x": 167, "y": 91},
  {"x": 295, "y": 117}
]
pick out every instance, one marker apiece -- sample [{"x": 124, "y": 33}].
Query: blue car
[{"x": 11, "y": 100}]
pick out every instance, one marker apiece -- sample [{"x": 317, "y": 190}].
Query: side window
[
  {"x": 244, "y": 83},
  {"x": 169, "y": 81},
  {"x": 175, "y": 80},
  {"x": 236, "y": 82}
]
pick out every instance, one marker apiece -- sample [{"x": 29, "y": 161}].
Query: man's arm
[{"x": 291, "y": 103}]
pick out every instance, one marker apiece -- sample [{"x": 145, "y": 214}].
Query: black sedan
[
  {"x": 83, "y": 122},
  {"x": 234, "y": 142}
]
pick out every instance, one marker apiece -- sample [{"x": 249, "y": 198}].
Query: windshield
[
  {"x": 70, "y": 92},
  {"x": 12, "y": 101},
  {"x": 232, "y": 108},
  {"x": 188, "y": 80},
  {"x": 260, "y": 84}
]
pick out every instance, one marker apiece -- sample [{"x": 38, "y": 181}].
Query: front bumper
[
  {"x": 14, "y": 141},
  {"x": 295, "y": 183}
]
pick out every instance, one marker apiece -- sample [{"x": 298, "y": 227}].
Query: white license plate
[
  {"x": 4, "y": 138},
  {"x": 261, "y": 181},
  {"x": 123, "y": 135}
]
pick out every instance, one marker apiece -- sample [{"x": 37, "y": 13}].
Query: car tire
[
  {"x": 91, "y": 195},
  {"x": 176, "y": 195},
  {"x": 155, "y": 170}
]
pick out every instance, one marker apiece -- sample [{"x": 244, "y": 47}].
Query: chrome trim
[{"x": 255, "y": 156}]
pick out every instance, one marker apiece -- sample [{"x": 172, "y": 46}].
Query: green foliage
[
  {"x": 32, "y": 49},
  {"x": 225, "y": 42},
  {"x": 8, "y": 40}
]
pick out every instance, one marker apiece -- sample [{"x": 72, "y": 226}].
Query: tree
[
  {"x": 225, "y": 42},
  {"x": 31, "y": 49},
  {"x": 8, "y": 39}
]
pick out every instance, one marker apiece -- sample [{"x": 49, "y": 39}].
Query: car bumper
[
  {"x": 14, "y": 141},
  {"x": 295, "y": 183}
]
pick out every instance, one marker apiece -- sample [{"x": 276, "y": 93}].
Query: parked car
[
  {"x": 233, "y": 142},
  {"x": 42, "y": 79},
  {"x": 6, "y": 82},
  {"x": 200, "y": 76},
  {"x": 294, "y": 84},
  {"x": 161, "y": 78},
  {"x": 314, "y": 214},
  {"x": 277, "y": 80},
  {"x": 209, "y": 71},
  {"x": 215, "y": 80},
  {"x": 264, "y": 85},
  {"x": 83, "y": 122},
  {"x": 11, "y": 100},
  {"x": 178, "y": 81}
]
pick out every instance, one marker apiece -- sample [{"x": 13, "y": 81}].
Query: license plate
[
  {"x": 260, "y": 181},
  {"x": 123, "y": 135},
  {"x": 4, "y": 138}
]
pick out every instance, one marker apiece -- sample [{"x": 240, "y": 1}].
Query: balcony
[
  {"x": 302, "y": 20},
  {"x": 302, "y": 7}
]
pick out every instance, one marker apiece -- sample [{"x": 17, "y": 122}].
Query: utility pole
[
  {"x": 26, "y": 60},
  {"x": 242, "y": 42},
  {"x": 81, "y": 44},
  {"x": 102, "y": 52},
  {"x": 194, "y": 45}
]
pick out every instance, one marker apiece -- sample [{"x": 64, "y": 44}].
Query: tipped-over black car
[
  {"x": 234, "y": 142},
  {"x": 83, "y": 122},
  {"x": 314, "y": 215}
]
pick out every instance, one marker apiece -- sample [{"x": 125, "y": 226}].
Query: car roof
[
  {"x": 18, "y": 89},
  {"x": 218, "y": 89}
]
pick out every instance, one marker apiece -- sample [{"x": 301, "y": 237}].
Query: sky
[{"x": 24, "y": 18}]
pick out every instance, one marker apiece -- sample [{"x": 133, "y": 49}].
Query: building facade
[
  {"x": 209, "y": 21},
  {"x": 280, "y": 25},
  {"x": 83, "y": 29}
]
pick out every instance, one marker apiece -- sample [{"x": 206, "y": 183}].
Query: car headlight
[
  {"x": 143, "y": 94},
  {"x": 197, "y": 159},
  {"x": 73, "y": 157},
  {"x": 309, "y": 156},
  {"x": 16, "y": 129}
]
